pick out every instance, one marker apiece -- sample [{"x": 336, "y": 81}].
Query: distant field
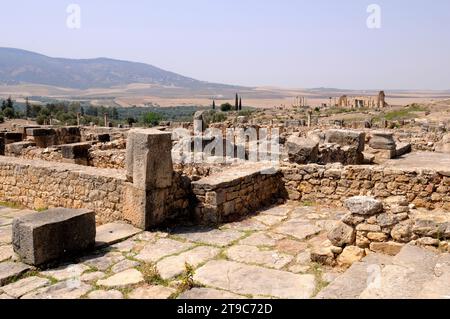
[{"x": 153, "y": 95}]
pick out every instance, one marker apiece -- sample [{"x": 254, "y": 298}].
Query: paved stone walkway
[
  {"x": 266, "y": 255},
  {"x": 415, "y": 273}
]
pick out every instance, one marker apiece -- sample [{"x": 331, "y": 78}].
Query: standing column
[
  {"x": 106, "y": 116},
  {"x": 149, "y": 176},
  {"x": 309, "y": 118}
]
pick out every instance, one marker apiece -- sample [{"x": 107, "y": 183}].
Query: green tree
[
  {"x": 10, "y": 103},
  {"x": 214, "y": 104},
  {"x": 35, "y": 110},
  {"x": 115, "y": 114},
  {"x": 9, "y": 112},
  {"x": 152, "y": 118},
  {"x": 226, "y": 107},
  {"x": 28, "y": 112},
  {"x": 236, "y": 103},
  {"x": 41, "y": 119},
  {"x": 240, "y": 104}
]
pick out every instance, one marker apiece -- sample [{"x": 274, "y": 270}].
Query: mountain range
[{"x": 25, "y": 67}]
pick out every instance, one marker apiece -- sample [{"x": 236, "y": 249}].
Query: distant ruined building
[{"x": 363, "y": 101}]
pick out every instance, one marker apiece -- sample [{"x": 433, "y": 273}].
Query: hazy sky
[{"x": 289, "y": 43}]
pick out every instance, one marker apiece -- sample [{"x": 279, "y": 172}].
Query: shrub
[
  {"x": 226, "y": 107},
  {"x": 152, "y": 119}
]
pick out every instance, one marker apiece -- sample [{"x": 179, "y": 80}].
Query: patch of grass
[
  {"x": 11, "y": 205},
  {"x": 222, "y": 255},
  {"x": 308, "y": 204},
  {"x": 187, "y": 279},
  {"x": 317, "y": 271},
  {"x": 29, "y": 273},
  {"x": 42, "y": 209},
  {"x": 402, "y": 114},
  {"x": 151, "y": 275}
]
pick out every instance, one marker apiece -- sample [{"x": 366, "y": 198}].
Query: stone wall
[
  {"x": 98, "y": 157},
  {"x": 334, "y": 183},
  {"x": 234, "y": 193},
  {"x": 107, "y": 158},
  {"x": 40, "y": 184},
  {"x": 382, "y": 227}
]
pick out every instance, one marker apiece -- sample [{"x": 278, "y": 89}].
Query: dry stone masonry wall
[
  {"x": 382, "y": 227},
  {"x": 40, "y": 184},
  {"x": 235, "y": 192},
  {"x": 334, "y": 183}
]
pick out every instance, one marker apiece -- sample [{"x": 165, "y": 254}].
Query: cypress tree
[
  {"x": 240, "y": 104},
  {"x": 214, "y": 104},
  {"x": 27, "y": 108},
  {"x": 9, "y": 103},
  {"x": 237, "y": 102}
]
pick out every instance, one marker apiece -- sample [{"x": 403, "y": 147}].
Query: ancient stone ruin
[{"x": 127, "y": 213}]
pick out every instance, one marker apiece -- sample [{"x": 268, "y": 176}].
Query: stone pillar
[
  {"x": 381, "y": 99},
  {"x": 106, "y": 119},
  {"x": 149, "y": 176},
  {"x": 199, "y": 122},
  {"x": 309, "y": 118}
]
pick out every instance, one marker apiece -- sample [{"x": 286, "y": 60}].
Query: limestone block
[
  {"x": 149, "y": 159},
  {"x": 346, "y": 138},
  {"x": 76, "y": 150},
  {"x": 342, "y": 235},
  {"x": 48, "y": 236},
  {"x": 144, "y": 209},
  {"x": 350, "y": 255},
  {"x": 12, "y": 137},
  {"x": 302, "y": 150},
  {"x": 382, "y": 140},
  {"x": 104, "y": 138},
  {"x": 363, "y": 205},
  {"x": 402, "y": 149},
  {"x": 15, "y": 149},
  {"x": 44, "y": 137}
]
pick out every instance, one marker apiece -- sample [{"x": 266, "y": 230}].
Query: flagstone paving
[{"x": 267, "y": 255}]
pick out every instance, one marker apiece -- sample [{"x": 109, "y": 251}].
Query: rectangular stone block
[
  {"x": 23, "y": 129},
  {"x": 104, "y": 138},
  {"x": 76, "y": 150},
  {"x": 402, "y": 149},
  {"x": 149, "y": 159},
  {"x": 40, "y": 131},
  {"x": 67, "y": 135},
  {"x": 15, "y": 149},
  {"x": 144, "y": 209},
  {"x": 13, "y": 137},
  {"x": 41, "y": 238},
  {"x": 346, "y": 138},
  {"x": 43, "y": 137}
]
